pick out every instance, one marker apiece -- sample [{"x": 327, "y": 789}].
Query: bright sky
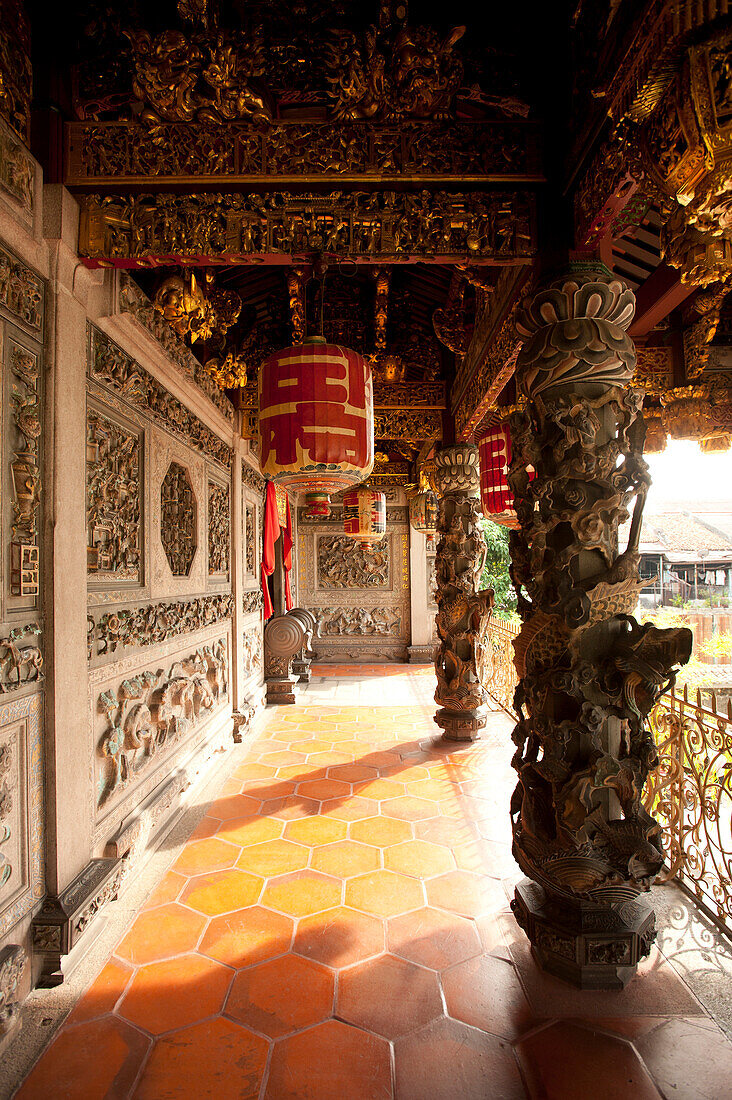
[{"x": 683, "y": 473}]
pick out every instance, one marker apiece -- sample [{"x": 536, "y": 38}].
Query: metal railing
[{"x": 689, "y": 793}]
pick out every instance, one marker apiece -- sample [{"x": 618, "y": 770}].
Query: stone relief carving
[
  {"x": 342, "y": 563},
  {"x": 155, "y": 623},
  {"x": 358, "y": 620},
  {"x": 252, "y": 650},
  {"x": 113, "y": 499},
  {"x": 111, "y": 367},
  {"x": 152, "y": 711},
  {"x": 17, "y": 170},
  {"x": 252, "y": 601},
  {"x": 21, "y": 292},
  {"x": 19, "y": 664},
  {"x": 133, "y": 300},
  {"x": 252, "y": 479},
  {"x": 218, "y": 529},
  {"x": 250, "y": 540},
  {"x": 7, "y": 767},
  {"x": 25, "y": 470},
  {"x": 178, "y": 520},
  {"x": 12, "y": 964}
]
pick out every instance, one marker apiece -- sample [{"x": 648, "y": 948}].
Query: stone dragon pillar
[
  {"x": 590, "y": 673},
  {"x": 461, "y": 606}
]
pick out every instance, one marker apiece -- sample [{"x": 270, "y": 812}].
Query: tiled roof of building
[{"x": 680, "y": 534}]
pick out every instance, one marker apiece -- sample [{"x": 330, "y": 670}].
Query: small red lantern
[
  {"x": 495, "y": 456},
  {"x": 424, "y": 512},
  {"x": 316, "y": 419},
  {"x": 364, "y": 514}
]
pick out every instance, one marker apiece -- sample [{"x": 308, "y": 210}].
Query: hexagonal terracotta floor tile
[
  {"x": 96, "y": 1059},
  {"x": 327, "y": 759},
  {"x": 172, "y": 994},
  {"x": 451, "y": 831},
  {"x": 103, "y": 994},
  {"x": 409, "y": 808},
  {"x": 323, "y": 789},
  {"x": 247, "y": 937},
  {"x": 213, "y": 854},
  {"x": 316, "y": 830},
  {"x": 222, "y": 891},
  {"x": 381, "y": 831},
  {"x": 254, "y": 771},
  {"x": 251, "y": 830},
  {"x": 448, "y": 1059},
  {"x": 346, "y": 859},
  {"x": 310, "y": 745},
  {"x": 339, "y": 936},
  {"x": 352, "y": 773},
  {"x": 379, "y": 789},
  {"x": 419, "y": 858},
  {"x": 282, "y": 995},
  {"x": 290, "y": 807},
  {"x": 282, "y": 758},
  {"x": 302, "y": 893},
  {"x": 486, "y": 993},
  {"x": 466, "y": 893},
  {"x": 236, "y": 805},
  {"x": 167, "y": 890},
  {"x": 161, "y": 933},
  {"x": 433, "y": 938},
  {"x": 389, "y": 996},
  {"x": 217, "y": 1058},
  {"x": 349, "y": 809},
  {"x": 330, "y": 1061},
  {"x": 384, "y": 893},
  {"x": 274, "y": 857}
]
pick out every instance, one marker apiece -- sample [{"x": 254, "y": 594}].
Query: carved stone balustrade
[
  {"x": 284, "y": 638},
  {"x": 590, "y": 673},
  {"x": 301, "y": 663},
  {"x": 461, "y": 607}
]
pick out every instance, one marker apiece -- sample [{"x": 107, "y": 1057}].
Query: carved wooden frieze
[
  {"x": 252, "y": 480},
  {"x": 134, "y": 301},
  {"x": 21, "y": 292},
  {"x": 16, "y": 75},
  {"x": 151, "y": 712},
  {"x": 152, "y": 624},
  {"x": 408, "y": 425},
  {"x": 114, "y": 369},
  {"x": 343, "y": 563},
  {"x": 178, "y": 526},
  {"x": 449, "y": 225},
  {"x": 113, "y": 500},
  {"x": 218, "y": 529},
  {"x": 348, "y": 621}
]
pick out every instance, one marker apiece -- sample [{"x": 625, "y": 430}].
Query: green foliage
[{"x": 495, "y": 573}]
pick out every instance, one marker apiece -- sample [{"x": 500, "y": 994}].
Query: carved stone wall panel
[
  {"x": 128, "y": 628},
  {"x": 219, "y": 527},
  {"x": 183, "y": 505},
  {"x": 21, "y": 809},
  {"x": 146, "y": 713},
  {"x": 21, "y": 388},
  {"x": 114, "y": 500},
  {"x": 21, "y": 293},
  {"x": 361, "y": 602},
  {"x": 252, "y": 651}
]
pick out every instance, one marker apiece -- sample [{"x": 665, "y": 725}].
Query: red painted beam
[{"x": 661, "y": 293}]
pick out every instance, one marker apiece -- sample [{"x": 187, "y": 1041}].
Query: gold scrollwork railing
[
  {"x": 494, "y": 661},
  {"x": 689, "y": 793}
]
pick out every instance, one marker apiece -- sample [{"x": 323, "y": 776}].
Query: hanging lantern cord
[{"x": 321, "y": 267}]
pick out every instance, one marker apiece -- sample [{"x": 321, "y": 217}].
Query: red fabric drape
[
  {"x": 287, "y": 556},
  {"x": 271, "y": 534}
]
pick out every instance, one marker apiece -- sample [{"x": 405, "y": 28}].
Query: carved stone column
[
  {"x": 589, "y": 672},
  {"x": 460, "y": 605}
]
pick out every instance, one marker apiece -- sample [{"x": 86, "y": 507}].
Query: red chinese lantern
[
  {"x": 495, "y": 456},
  {"x": 364, "y": 514},
  {"x": 316, "y": 419},
  {"x": 424, "y": 512}
]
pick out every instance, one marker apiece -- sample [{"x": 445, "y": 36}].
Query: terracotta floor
[{"x": 336, "y": 928}]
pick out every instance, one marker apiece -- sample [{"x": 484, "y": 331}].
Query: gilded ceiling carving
[
  {"x": 16, "y": 77},
  {"x": 113, "y": 499},
  {"x": 481, "y": 224}
]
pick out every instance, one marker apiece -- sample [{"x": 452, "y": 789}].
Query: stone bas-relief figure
[
  {"x": 178, "y": 520},
  {"x": 155, "y": 623},
  {"x": 19, "y": 664},
  {"x": 343, "y": 563},
  {"x": 218, "y": 529},
  {"x": 358, "y": 620},
  {"x": 112, "y": 499},
  {"x": 152, "y": 711}
]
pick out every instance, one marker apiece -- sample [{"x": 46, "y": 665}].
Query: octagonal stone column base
[
  {"x": 461, "y": 725},
  {"x": 590, "y": 946}
]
